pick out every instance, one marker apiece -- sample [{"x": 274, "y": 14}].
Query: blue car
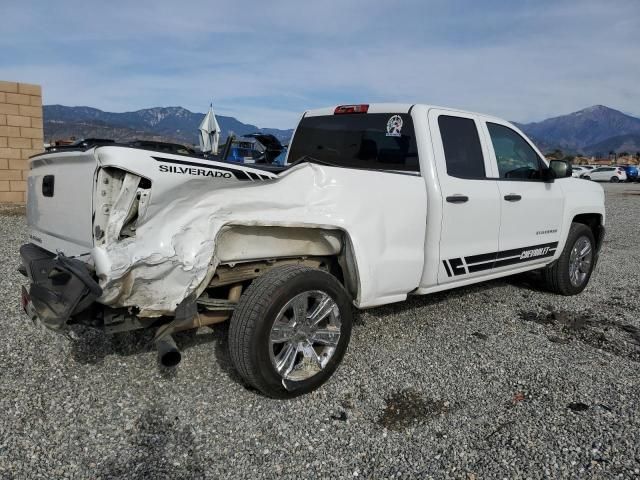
[
  {"x": 240, "y": 154},
  {"x": 632, "y": 172}
]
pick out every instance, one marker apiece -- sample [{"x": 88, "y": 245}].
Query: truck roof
[
  {"x": 390, "y": 108},
  {"x": 373, "y": 108}
]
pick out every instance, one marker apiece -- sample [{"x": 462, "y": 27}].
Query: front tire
[
  {"x": 570, "y": 274},
  {"x": 290, "y": 330},
  {"x": 586, "y": 177}
]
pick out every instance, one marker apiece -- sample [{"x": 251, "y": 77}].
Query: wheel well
[
  {"x": 594, "y": 222},
  {"x": 245, "y": 252}
]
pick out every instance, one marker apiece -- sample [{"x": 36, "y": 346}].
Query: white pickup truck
[{"x": 376, "y": 202}]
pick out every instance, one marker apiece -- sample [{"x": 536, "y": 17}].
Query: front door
[
  {"x": 531, "y": 209},
  {"x": 470, "y": 200}
]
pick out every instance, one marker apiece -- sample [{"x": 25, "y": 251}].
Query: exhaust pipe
[{"x": 168, "y": 353}]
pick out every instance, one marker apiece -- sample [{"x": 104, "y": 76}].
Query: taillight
[{"x": 362, "y": 108}]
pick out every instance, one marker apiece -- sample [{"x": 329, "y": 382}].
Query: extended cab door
[
  {"x": 470, "y": 200},
  {"x": 531, "y": 209}
]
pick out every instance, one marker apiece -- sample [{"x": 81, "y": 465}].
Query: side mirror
[{"x": 560, "y": 168}]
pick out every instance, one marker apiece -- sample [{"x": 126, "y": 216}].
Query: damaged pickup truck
[{"x": 376, "y": 202}]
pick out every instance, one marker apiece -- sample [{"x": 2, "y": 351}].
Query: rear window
[{"x": 378, "y": 141}]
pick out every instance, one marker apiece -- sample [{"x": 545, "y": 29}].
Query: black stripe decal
[
  {"x": 457, "y": 266},
  {"x": 446, "y": 267},
  {"x": 484, "y": 257},
  {"x": 518, "y": 251},
  {"x": 488, "y": 261},
  {"x": 479, "y": 267},
  {"x": 239, "y": 174},
  {"x": 512, "y": 261}
]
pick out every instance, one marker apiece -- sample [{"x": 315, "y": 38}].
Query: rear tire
[
  {"x": 570, "y": 274},
  {"x": 586, "y": 177},
  {"x": 274, "y": 341},
  {"x": 615, "y": 179}
]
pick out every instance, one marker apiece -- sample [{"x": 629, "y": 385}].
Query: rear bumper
[{"x": 59, "y": 287}]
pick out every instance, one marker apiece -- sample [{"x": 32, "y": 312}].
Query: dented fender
[{"x": 377, "y": 220}]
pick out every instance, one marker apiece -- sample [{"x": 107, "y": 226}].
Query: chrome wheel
[
  {"x": 305, "y": 335},
  {"x": 580, "y": 261}
]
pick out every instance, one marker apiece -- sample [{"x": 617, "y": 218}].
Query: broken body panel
[{"x": 180, "y": 243}]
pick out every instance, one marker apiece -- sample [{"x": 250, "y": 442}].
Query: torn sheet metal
[{"x": 174, "y": 251}]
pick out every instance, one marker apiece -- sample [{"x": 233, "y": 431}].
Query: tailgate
[{"x": 59, "y": 201}]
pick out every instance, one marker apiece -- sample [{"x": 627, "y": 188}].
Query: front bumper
[{"x": 59, "y": 286}]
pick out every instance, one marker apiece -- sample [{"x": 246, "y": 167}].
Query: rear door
[
  {"x": 470, "y": 198},
  {"x": 531, "y": 209}
]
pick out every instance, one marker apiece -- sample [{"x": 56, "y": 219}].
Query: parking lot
[{"x": 496, "y": 380}]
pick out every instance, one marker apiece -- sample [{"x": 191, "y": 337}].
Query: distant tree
[
  {"x": 623, "y": 154},
  {"x": 569, "y": 158}
]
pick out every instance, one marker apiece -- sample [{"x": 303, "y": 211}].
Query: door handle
[
  {"x": 457, "y": 199},
  {"x": 512, "y": 197}
]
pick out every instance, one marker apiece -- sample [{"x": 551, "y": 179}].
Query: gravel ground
[{"x": 496, "y": 380}]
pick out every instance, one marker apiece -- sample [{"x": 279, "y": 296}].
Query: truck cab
[{"x": 376, "y": 202}]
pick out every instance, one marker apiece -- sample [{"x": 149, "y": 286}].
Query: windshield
[{"x": 378, "y": 141}]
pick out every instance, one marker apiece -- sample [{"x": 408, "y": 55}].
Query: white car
[
  {"x": 607, "y": 174},
  {"x": 577, "y": 171},
  {"x": 376, "y": 203}
]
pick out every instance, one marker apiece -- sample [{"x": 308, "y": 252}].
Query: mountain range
[
  {"x": 173, "y": 124},
  {"x": 595, "y": 130}
]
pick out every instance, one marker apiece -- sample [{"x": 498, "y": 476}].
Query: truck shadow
[
  {"x": 223, "y": 357},
  {"x": 159, "y": 447},
  {"x": 92, "y": 346}
]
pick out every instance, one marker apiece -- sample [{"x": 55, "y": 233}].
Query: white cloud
[{"x": 265, "y": 62}]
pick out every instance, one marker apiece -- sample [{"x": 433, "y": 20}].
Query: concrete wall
[{"x": 21, "y": 136}]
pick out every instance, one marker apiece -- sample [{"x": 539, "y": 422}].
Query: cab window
[
  {"x": 462, "y": 149},
  {"x": 515, "y": 157}
]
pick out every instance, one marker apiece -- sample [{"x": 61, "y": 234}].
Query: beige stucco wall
[{"x": 21, "y": 136}]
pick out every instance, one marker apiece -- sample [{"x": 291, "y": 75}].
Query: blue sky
[{"x": 265, "y": 62}]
